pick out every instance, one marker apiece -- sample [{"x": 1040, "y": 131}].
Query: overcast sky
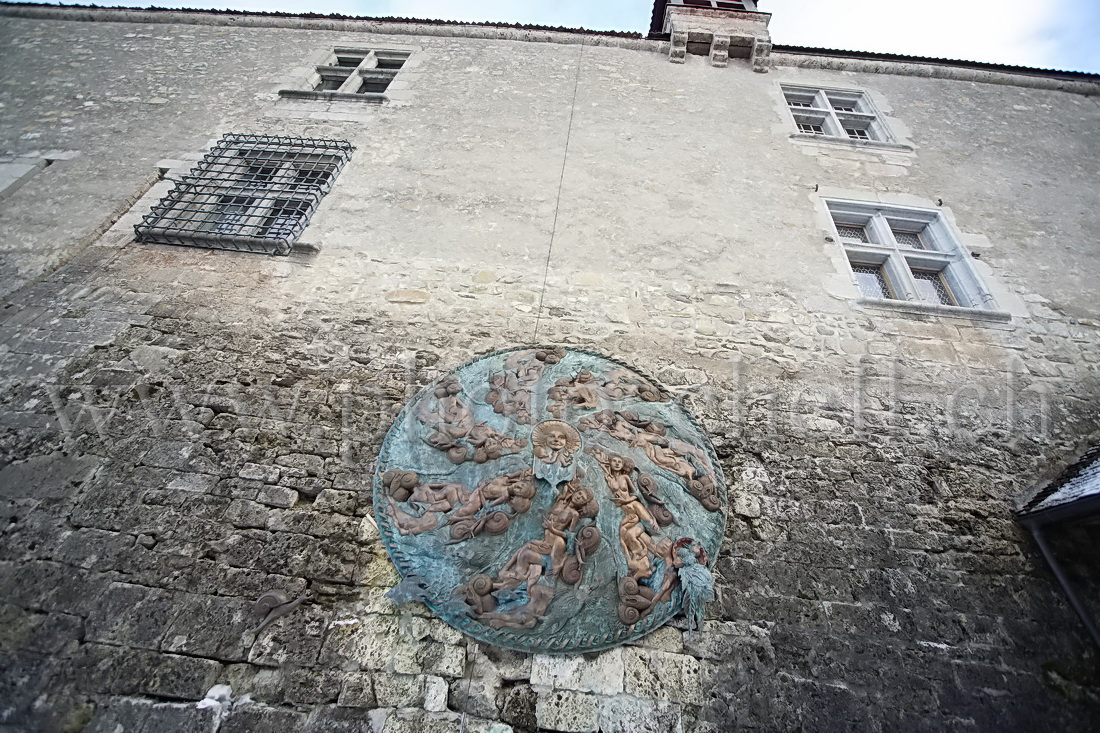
[{"x": 1057, "y": 34}]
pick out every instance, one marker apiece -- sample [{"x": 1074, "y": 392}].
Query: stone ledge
[
  {"x": 869, "y": 145},
  {"x": 928, "y": 309}
]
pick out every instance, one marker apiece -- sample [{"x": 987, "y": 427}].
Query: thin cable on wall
[{"x": 557, "y": 203}]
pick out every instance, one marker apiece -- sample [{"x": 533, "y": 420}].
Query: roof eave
[
  {"x": 901, "y": 58},
  {"x": 1070, "y": 511}
]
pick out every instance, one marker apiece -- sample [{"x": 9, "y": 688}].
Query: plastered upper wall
[{"x": 690, "y": 168}]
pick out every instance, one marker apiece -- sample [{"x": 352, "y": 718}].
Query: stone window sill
[
  {"x": 847, "y": 142},
  {"x": 365, "y": 98},
  {"x": 930, "y": 309}
]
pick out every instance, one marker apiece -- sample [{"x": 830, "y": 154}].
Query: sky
[{"x": 1050, "y": 34}]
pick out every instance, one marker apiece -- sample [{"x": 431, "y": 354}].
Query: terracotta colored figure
[
  {"x": 510, "y": 393},
  {"x": 554, "y": 443},
  {"x": 456, "y": 431},
  {"x": 636, "y": 541}
]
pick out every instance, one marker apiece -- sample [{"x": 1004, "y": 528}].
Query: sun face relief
[{"x": 550, "y": 500}]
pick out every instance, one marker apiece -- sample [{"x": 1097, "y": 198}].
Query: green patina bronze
[{"x": 550, "y": 500}]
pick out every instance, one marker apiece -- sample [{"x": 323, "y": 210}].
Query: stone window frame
[
  {"x": 378, "y": 69},
  {"x": 846, "y": 117},
  {"x": 936, "y": 277},
  {"x": 248, "y": 193}
]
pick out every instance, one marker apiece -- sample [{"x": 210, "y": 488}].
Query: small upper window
[
  {"x": 354, "y": 74},
  {"x": 251, "y": 193},
  {"x": 834, "y": 113},
  {"x": 906, "y": 254}
]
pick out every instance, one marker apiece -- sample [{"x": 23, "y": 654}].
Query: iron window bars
[
  {"x": 250, "y": 193},
  {"x": 906, "y": 254},
  {"x": 836, "y": 113},
  {"x": 353, "y": 74}
]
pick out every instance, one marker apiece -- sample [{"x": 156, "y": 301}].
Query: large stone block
[
  {"x": 331, "y": 719},
  {"x": 262, "y": 719},
  {"x": 300, "y": 555},
  {"x": 210, "y": 626},
  {"x": 180, "y": 455},
  {"x": 398, "y": 690},
  {"x": 662, "y": 676},
  {"x": 599, "y": 673},
  {"x": 629, "y": 714},
  {"x": 357, "y": 690},
  {"x": 118, "y": 670},
  {"x": 295, "y": 638},
  {"x": 569, "y": 712},
  {"x": 370, "y": 644},
  {"x": 51, "y": 476},
  {"x": 666, "y": 639},
  {"x": 418, "y": 721},
  {"x": 132, "y": 615},
  {"x": 518, "y": 706}
]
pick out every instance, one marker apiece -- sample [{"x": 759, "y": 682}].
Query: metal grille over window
[
  {"x": 932, "y": 288},
  {"x": 908, "y": 239},
  {"x": 871, "y": 280},
  {"x": 852, "y": 234},
  {"x": 250, "y": 193}
]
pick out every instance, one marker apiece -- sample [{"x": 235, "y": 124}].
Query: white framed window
[
  {"x": 250, "y": 193},
  {"x": 842, "y": 114},
  {"x": 353, "y": 74},
  {"x": 905, "y": 254}
]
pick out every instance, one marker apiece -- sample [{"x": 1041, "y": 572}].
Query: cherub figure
[
  {"x": 415, "y": 521},
  {"x": 455, "y": 430},
  {"x": 510, "y": 487},
  {"x": 537, "y": 563},
  {"x": 610, "y": 422},
  {"x": 526, "y": 616},
  {"x": 510, "y": 390},
  {"x": 637, "y": 544},
  {"x": 439, "y": 497},
  {"x": 563, "y": 517},
  {"x": 425, "y": 502}
]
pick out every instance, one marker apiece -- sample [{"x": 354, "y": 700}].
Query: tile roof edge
[
  {"x": 902, "y": 58},
  {"x": 1051, "y": 486},
  {"x": 326, "y": 16}
]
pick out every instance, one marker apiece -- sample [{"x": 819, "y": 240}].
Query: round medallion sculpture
[{"x": 550, "y": 500}]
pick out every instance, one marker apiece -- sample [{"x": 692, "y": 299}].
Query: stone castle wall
[{"x": 184, "y": 429}]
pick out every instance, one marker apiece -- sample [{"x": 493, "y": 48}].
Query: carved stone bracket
[
  {"x": 761, "y": 56},
  {"x": 720, "y": 34},
  {"x": 719, "y": 50},
  {"x": 677, "y": 53}
]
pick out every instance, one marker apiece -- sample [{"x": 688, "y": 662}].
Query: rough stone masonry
[{"x": 183, "y": 429}]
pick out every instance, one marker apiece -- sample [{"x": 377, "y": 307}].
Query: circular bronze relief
[{"x": 550, "y": 500}]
